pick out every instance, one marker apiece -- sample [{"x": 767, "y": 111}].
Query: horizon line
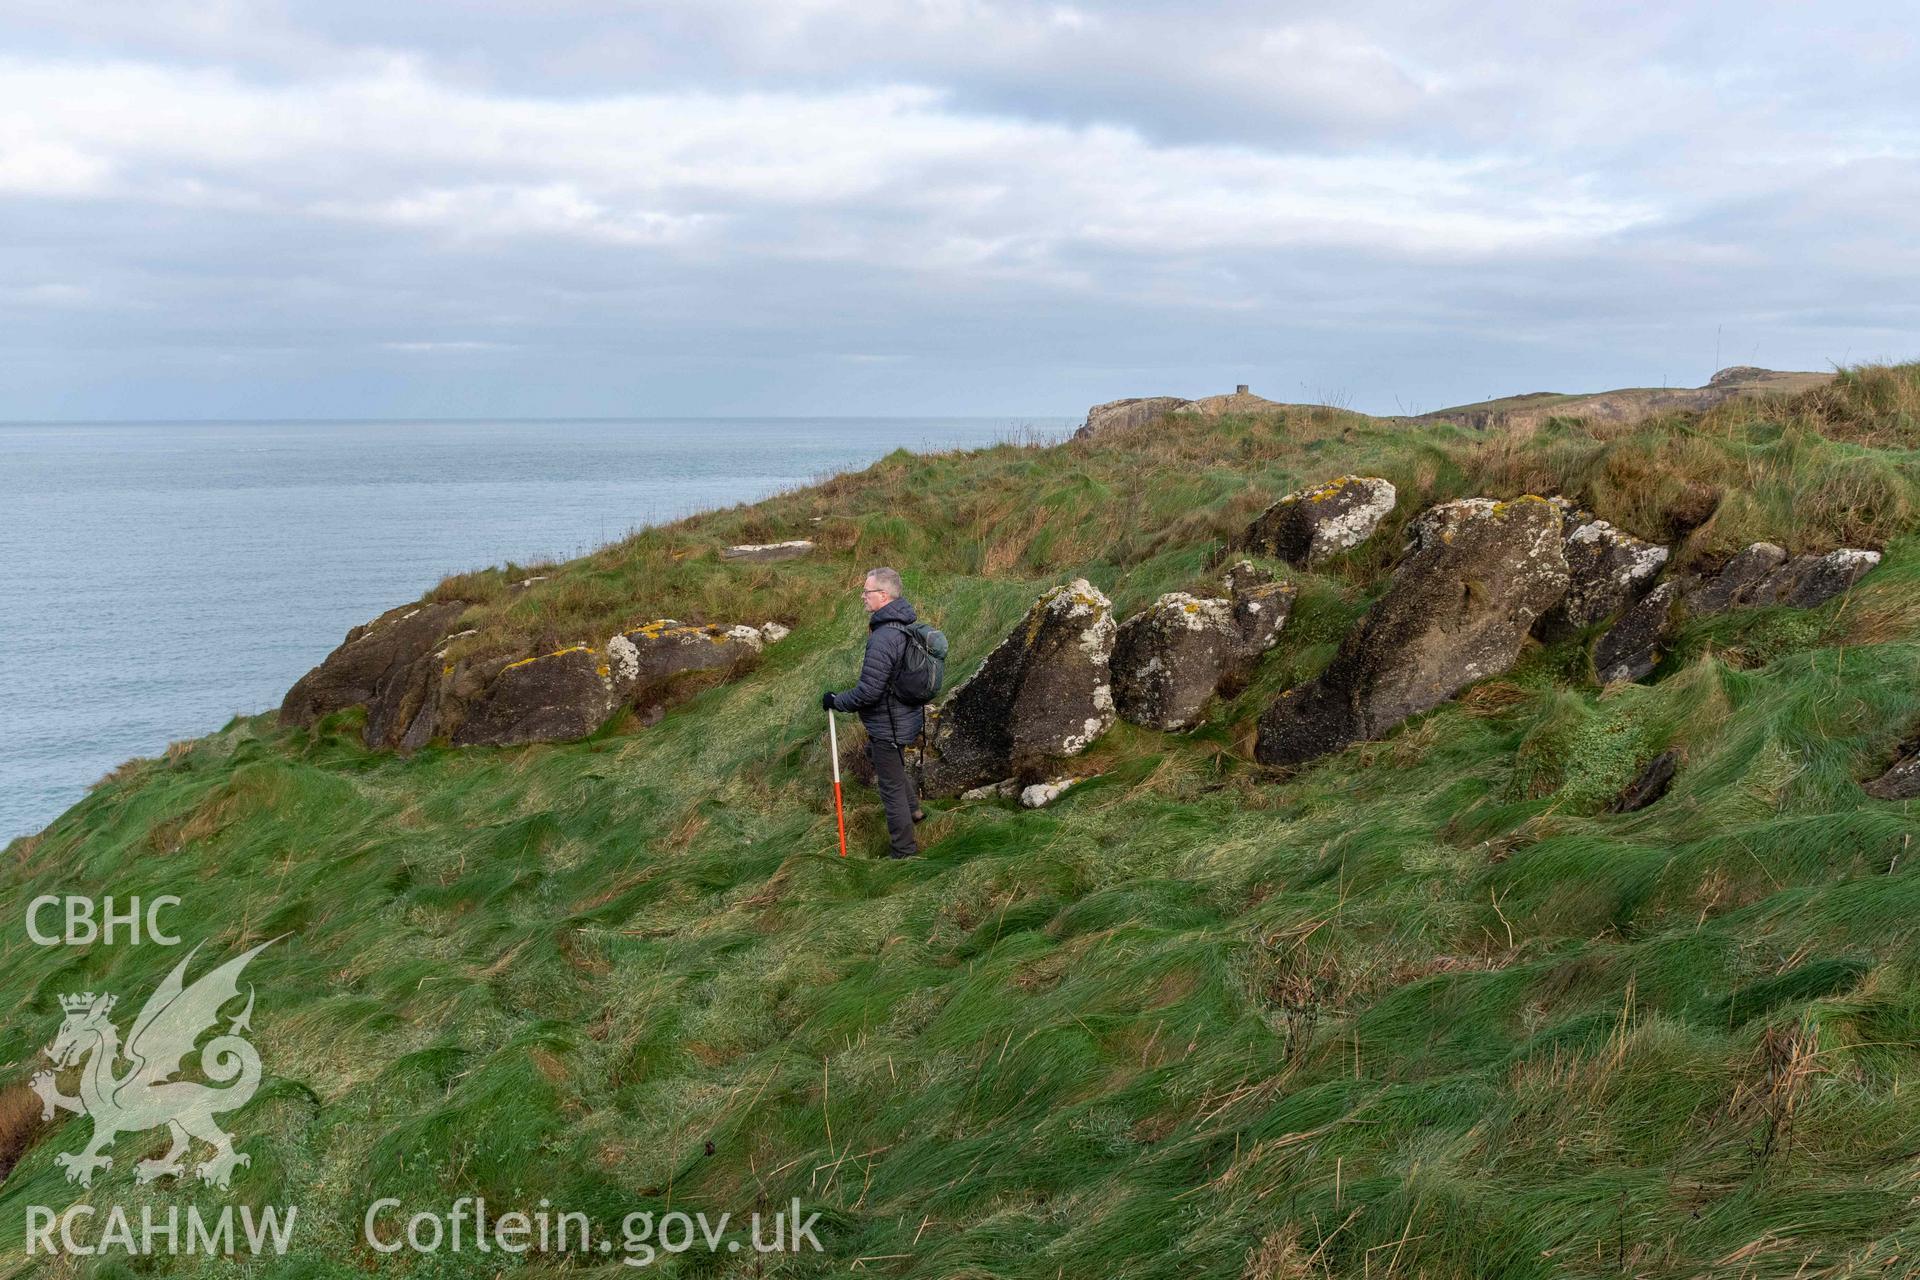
[{"x": 675, "y": 417}]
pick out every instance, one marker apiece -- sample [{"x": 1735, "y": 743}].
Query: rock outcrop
[
  {"x": 1307, "y": 526},
  {"x": 1174, "y": 655},
  {"x": 398, "y": 668},
  {"x": 1607, "y": 570},
  {"x": 409, "y": 708},
  {"x": 1632, "y": 647},
  {"x": 1479, "y": 573},
  {"x": 1168, "y": 660},
  {"x": 555, "y": 697},
  {"x": 1044, "y": 693},
  {"x": 1738, "y": 581},
  {"x": 1759, "y": 574},
  {"x": 570, "y": 693},
  {"x": 371, "y": 655},
  {"x": 1117, "y": 415},
  {"x": 1261, "y": 607},
  {"x": 665, "y": 649},
  {"x": 1799, "y": 583}
]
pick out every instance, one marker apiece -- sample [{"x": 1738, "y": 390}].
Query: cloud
[
  {"x": 31, "y": 167},
  {"x": 789, "y": 174}
]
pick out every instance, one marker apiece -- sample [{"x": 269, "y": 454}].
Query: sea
[{"x": 158, "y": 578}]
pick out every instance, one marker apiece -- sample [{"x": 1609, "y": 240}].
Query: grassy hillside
[{"x": 1422, "y": 1009}]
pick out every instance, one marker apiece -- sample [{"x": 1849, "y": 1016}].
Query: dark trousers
[{"x": 896, "y": 795}]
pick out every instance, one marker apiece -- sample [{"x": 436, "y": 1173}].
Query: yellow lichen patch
[
  {"x": 1037, "y": 616},
  {"x": 572, "y": 648},
  {"x": 1331, "y": 489},
  {"x": 673, "y": 629},
  {"x": 1502, "y": 508}
]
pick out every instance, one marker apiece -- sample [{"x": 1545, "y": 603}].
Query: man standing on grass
[{"x": 892, "y": 723}]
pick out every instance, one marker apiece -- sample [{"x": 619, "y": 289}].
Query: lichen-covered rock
[
  {"x": 1457, "y": 610},
  {"x": 1438, "y": 526},
  {"x": 407, "y": 711},
  {"x": 1258, "y": 615},
  {"x": 1244, "y": 575},
  {"x": 1311, "y": 524},
  {"x": 1034, "y": 795},
  {"x": 1168, "y": 659},
  {"x": 1607, "y": 570},
  {"x": 555, "y": 697},
  {"x": 398, "y": 667},
  {"x": 1043, "y": 693},
  {"x": 572, "y": 692},
  {"x": 1261, "y": 607},
  {"x": 1806, "y": 581},
  {"x": 1760, "y": 574},
  {"x": 650, "y": 658},
  {"x": 1572, "y": 514},
  {"x": 1039, "y": 795},
  {"x": 1738, "y": 580},
  {"x": 371, "y": 655},
  {"x": 1631, "y": 647}
]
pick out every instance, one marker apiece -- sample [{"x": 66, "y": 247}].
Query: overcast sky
[{"x": 223, "y": 208}]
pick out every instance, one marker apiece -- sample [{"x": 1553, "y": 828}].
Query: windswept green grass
[{"x": 1422, "y": 1009}]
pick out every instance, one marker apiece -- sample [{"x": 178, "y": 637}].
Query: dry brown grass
[
  {"x": 1005, "y": 540},
  {"x": 246, "y": 793},
  {"x": 687, "y": 830},
  {"x": 20, "y": 1124},
  {"x": 1494, "y": 698},
  {"x": 121, "y": 772},
  {"x": 1781, "y": 1067},
  {"x": 1875, "y": 614},
  {"x": 1279, "y": 1256},
  {"x": 22, "y": 848},
  {"x": 1506, "y": 466},
  {"x": 1873, "y": 404}
]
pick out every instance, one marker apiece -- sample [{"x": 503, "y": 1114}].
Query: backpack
[{"x": 922, "y": 666}]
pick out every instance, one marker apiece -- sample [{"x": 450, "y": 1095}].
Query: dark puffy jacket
[{"x": 886, "y": 717}]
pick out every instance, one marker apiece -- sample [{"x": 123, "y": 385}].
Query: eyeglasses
[{"x": 873, "y": 591}]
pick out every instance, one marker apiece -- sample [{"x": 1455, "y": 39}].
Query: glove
[{"x": 826, "y": 700}]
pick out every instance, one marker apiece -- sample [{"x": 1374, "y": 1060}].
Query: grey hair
[{"x": 887, "y": 580}]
